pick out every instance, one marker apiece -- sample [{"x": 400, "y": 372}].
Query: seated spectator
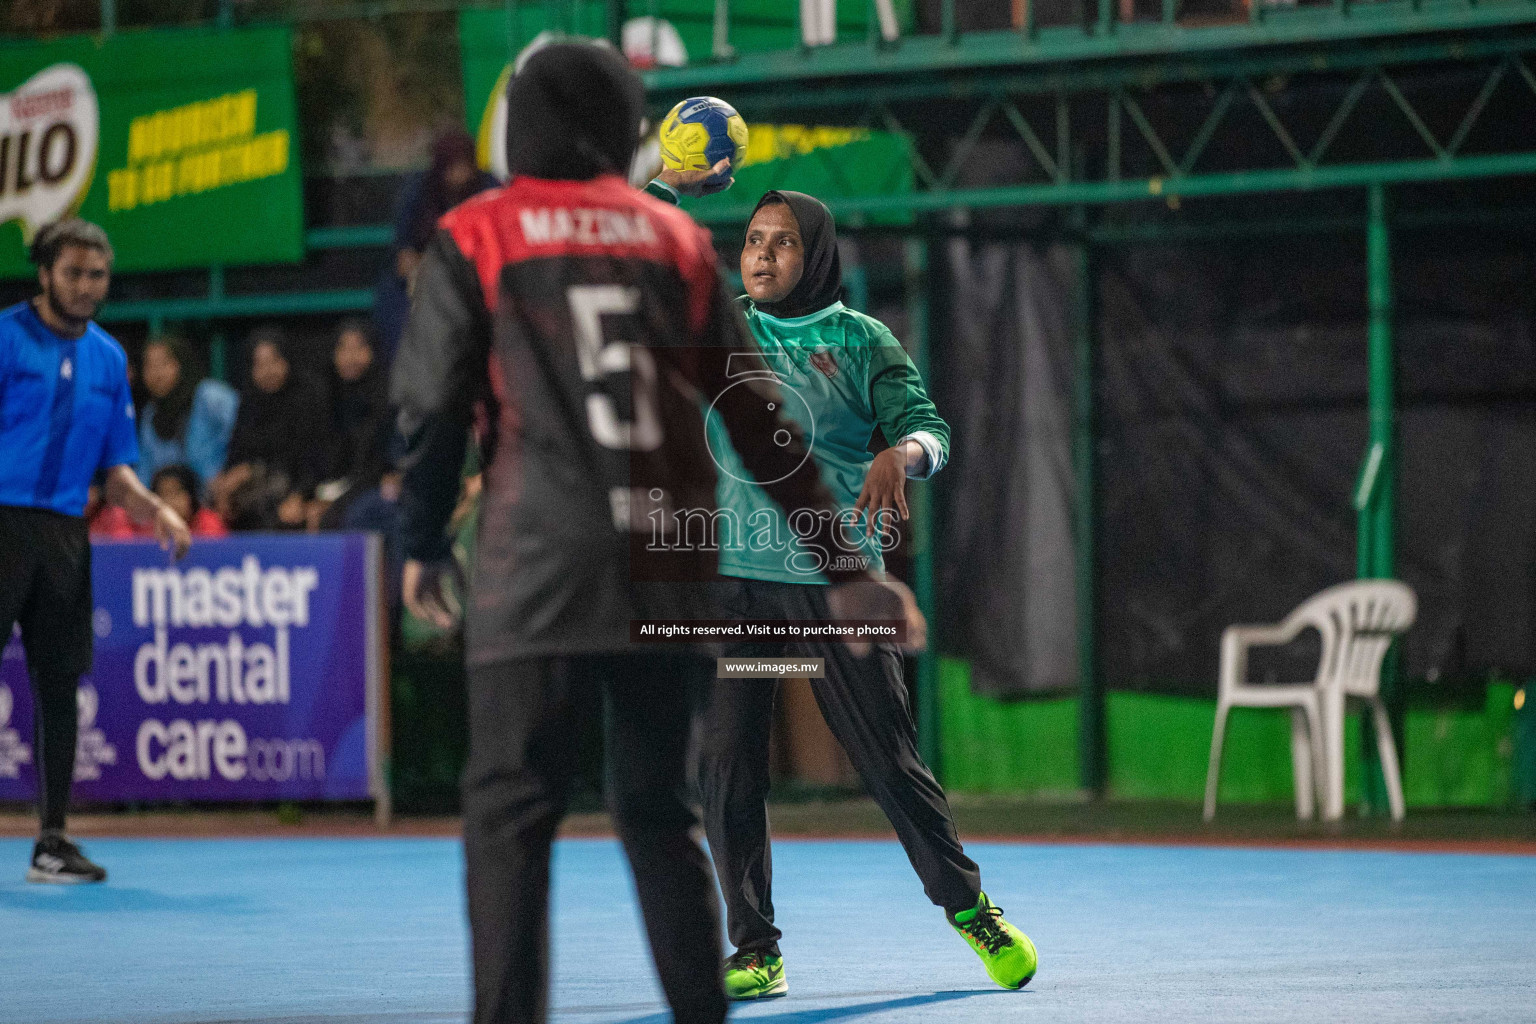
[
  {"x": 176, "y": 485},
  {"x": 277, "y": 453},
  {"x": 360, "y": 425},
  {"x": 184, "y": 420}
]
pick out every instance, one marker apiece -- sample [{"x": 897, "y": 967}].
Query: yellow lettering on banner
[
  {"x": 233, "y": 162},
  {"x": 275, "y": 147},
  {"x": 187, "y": 175},
  {"x": 138, "y": 140},
  {"x": 207, "y": 165},
  {"x": 195, "y": 148},
  {"x": 242, "y": 118},
  {"x": 122, "y": 190},
  {"x": 192, "y": 174},
  {"x": 778, "y": 142},
  {"x": 162, "y": 180},
  {"x": 145, "y": 190},
  {"x": 210, "y": 162},
  {"x": 179, "y": 127},
  {"x": 166, "y": 133},
  {"x": 163, "y": 133},
  {"x": 149, "y": 138},
  {"x": 178, "y": 131}
]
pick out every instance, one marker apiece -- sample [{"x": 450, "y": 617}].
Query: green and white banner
[{"x": 182, "y": 145}]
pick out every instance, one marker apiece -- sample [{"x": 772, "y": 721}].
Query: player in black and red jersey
[{"x": 592, "y": 320}]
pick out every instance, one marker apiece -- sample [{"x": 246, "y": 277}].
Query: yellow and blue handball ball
[{"x": 700, "y": 132}]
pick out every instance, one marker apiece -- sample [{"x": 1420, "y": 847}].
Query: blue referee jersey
[{"x": 65, "y": 412}]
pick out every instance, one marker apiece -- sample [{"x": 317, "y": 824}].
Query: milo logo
[{"x": 49, "y": 131}]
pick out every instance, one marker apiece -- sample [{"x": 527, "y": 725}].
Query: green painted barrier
[{"x": 1158, "y": 748}]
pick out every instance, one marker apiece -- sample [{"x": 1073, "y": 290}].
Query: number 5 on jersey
[{"x": 599, "y": 358}]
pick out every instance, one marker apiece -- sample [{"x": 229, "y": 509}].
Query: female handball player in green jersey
[{"x": 842, "y": 374}]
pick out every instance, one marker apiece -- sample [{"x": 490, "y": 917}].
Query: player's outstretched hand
[
  {"x": 885, "y": 489},
  {"x": 171, "y": 532},
  {"x": 879, "y": 599},
  {"x": 122, "y": 488},
  {"x": 427, "y": 593},
  {"x": 694, "y": 184}
]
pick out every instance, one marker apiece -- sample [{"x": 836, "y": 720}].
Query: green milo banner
[
  {"x": 827, "y": 162},
  {"x": 182, "y": 145}
]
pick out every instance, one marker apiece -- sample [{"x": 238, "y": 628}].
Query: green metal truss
[
  {"x": 1145, "y": 129},
  {"x": 1100, "y": 37},
  {"x": 1090, "y": 104},
  {"x": 217, "y": 303}
]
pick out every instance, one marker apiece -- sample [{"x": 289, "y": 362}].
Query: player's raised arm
[{"x": 669, "y": 185}]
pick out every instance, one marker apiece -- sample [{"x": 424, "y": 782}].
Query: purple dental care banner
[{"x": 248, "y": 671}]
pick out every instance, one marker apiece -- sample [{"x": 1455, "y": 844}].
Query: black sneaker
[{"x": 57, "y": 860}]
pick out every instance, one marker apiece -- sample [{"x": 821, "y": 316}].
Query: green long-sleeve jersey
[{"x": 841, "y": 374}]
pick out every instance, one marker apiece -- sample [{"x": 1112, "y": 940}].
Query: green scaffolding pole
[
  {"x": 1110, "y": 192},
  {"x": 920, "y": 504},
  {"x": 1375, "y": 496},
  {"x": 1091, "y": 749}
]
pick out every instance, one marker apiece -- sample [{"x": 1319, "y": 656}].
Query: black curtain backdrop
[
  {"x": 1003, "y": 380},
  {"x": 1232, "y": 403},
  {"x": 1231, "y": 406}
]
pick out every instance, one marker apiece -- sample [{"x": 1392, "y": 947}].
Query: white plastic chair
[{"x": 1357, "y": 622}]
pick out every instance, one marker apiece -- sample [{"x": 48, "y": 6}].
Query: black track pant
[
  {"x": 524, "y": 727},
  {"x": 45, "y": 585},
  {"x": 864, "y": 702}
]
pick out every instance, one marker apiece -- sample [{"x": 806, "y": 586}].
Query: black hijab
[
  {"x": 172, "y": 410},
  {"x": 573, "y": 112},
  {"x": 285, "y": 429},
  {"x": 360, "y": 421},
  {"x": 821, "y": 282},
  {"x": 437, "y": 197}
]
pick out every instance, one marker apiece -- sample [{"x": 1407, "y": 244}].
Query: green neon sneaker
[
  {"x": 1007, "y": 953},
  {"x": 753, "y": 974}
]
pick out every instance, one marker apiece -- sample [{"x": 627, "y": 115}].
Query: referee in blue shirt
[{"x": 65, "y": 414}]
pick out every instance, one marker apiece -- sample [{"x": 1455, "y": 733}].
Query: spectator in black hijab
[
  {"x": 364, "y": 490},
  {"x": 360, "y": 425},
  {"x": 453, "y": 177},
  {"x": 277, "y": 454}
]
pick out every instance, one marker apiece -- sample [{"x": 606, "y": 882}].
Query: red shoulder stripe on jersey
[{"x": 532, "y": 218}]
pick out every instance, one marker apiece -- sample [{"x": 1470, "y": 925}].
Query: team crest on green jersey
[{"x": 824, "y": 361}]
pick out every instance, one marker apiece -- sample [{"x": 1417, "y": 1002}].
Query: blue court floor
[{"x": 355, "y": 931}]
